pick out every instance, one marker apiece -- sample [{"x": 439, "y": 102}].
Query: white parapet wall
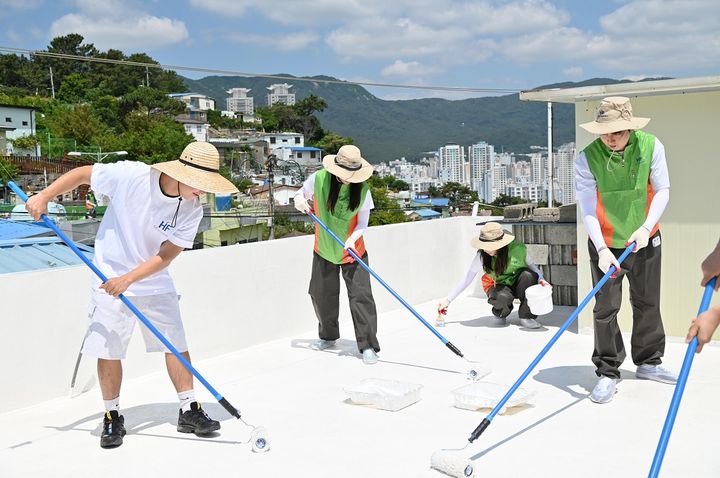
[{"x": 231, "y": 298}]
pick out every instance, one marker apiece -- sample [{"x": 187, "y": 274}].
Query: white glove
[
  {"x": 640, "y": 238},
  {"x": 443, "y": 305},
  {"x": 301, "y": 204},
  {"x": 350, "y": 243},
  {"x": 607, "y": 259}
]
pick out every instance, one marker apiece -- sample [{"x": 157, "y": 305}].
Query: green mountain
[{"x": 386, "y": 130}]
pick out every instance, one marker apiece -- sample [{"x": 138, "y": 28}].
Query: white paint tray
[
  {"x": 384, "y": 394},
  {"x": 479, "y": 395}
]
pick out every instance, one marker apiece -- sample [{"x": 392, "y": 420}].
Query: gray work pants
[
  {"x": 501, "y": 296},
  {"x": 325, "y": 294},
  {"x": 648, "y": 336}
]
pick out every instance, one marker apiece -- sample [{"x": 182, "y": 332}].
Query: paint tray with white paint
[
  {"x": 384, "y": 394},
  {"x": 477, "y": 395}
]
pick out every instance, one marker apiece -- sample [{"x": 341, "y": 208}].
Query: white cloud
[
  {"x": 287, "y": 42},
  {"x": 115, "y": 24},
  {"x": 667, "y": 35},
  {"x": 402, "y": 68}
]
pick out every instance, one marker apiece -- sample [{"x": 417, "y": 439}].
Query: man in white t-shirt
[{"x": 154, "y": 214}]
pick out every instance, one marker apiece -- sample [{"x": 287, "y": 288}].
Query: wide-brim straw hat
[
  {"x": 615, "y": 114},
  {"x": 492, "y": 237},
  {"x": 199, "y": 168},
  {"x": 348, "y": 164}
]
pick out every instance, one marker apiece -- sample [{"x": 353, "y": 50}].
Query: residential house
[{"x": 16, "y": 122}]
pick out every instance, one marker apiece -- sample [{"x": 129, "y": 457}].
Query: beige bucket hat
[
  {"x": 198, "y": 167},
  {"x": 348, "y": 164},
  {"x": 615, "y": 114},
  {"x": 492, "y": 237}
]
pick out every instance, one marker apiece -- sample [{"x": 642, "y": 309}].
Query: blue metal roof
[
  {"x": 437, "y": 202},
  {"x": 21, "y": 229},
  {"x": 427, "y": 213},
  {"x": 20, "y": 255}
]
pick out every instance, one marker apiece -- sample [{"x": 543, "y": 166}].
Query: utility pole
[
  {"x": 52, "y": 83},
  {"x": 271, "y": 178},
  {"x": 549, "y": 143}
]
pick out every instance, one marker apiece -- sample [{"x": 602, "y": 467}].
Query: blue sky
[{"x": 475, "y": 43}]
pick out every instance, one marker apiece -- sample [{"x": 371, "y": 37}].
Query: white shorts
[{"x": 112, "y": 322}]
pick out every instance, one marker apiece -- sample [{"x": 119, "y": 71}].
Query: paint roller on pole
[
  {"x": 449, "y": 461},
  {"x": 357, "y": 258},
  {"x": 261, "y": 440},
  {"x": 679, "y": 388}
]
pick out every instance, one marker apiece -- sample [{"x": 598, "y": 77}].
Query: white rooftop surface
[{"x": 297, "y": 393}]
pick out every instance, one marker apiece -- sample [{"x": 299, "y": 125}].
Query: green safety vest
[
  {"x": 624, "y": 192},
  {"x": 342, "y": 222},
  {"x": 517, "y": 252}
]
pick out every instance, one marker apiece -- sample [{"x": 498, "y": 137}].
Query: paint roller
[{"x": 452, "y": 463}]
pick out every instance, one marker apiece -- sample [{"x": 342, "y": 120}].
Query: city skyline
[{"x": 505, "y": 44}]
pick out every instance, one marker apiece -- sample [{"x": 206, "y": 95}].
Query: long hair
[
  {"x": 501, "y": 259},
  {"x": 355, "y": 189}
]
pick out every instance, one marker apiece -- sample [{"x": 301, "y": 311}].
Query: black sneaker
[
  {"x": 113, "y": 430},
  {"x": 196, "y": 421}
]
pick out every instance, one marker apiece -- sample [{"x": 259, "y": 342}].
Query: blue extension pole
[
  {"x": 354, "y": 255},
  {"x": 232, "y": 410},
  {"x": 488, "y": 419},
  {"x": 679, "y": 387}
]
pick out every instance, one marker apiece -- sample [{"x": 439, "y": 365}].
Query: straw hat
[
  {"x": 198, "y": 167},
  {"x": 492, "y": 237},
  {"x": 615, "y": 114},
  {"x": 348, "y": 164}
]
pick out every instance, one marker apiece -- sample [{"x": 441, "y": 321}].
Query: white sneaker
[
  {"x": 604, "y": 391},
  {"x": 322, "y": 344},
  {"x": 530, "y": 323},
  {"x": 657, "y": 373},
  {"x": 369, "y": 357}
]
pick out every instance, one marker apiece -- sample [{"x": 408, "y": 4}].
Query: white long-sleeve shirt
[
  {"x": 363, "y": 216},
  {"x": 586, "y": 193},
  {"x": 476, "y": 266}
]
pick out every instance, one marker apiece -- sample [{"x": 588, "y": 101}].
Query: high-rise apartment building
[
  {"x": 564, "y": 161},
  {"x": 239, "y": 101},
  {"x": 280, "y": 93},
  {"x": 480, "y": 156},
  {"x": 452, "y": 163}
]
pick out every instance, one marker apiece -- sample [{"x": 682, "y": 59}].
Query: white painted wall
[{"x": 232, "y": 297}]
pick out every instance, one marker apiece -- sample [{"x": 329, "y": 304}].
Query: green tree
[
  {"x": 74, "y": 88},
  {"x": 150, "y": 101},
  {"x": 153, "y": 139},
  {"x": 458, "y": 194},
  {"x": 27, "y": 142},
  {"x": 505, "y": 200},
  {"x": 77, "y": 122}
]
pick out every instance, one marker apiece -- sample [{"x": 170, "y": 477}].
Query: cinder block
[
  {"x": 538, "y": 253},
  {"x": 546, "y": 214},
  {"x": 568, "y": 213},
  {"x": 561, "y": 234},
  {"x": 563, "y": 275}
]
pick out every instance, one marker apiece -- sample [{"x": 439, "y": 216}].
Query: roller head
[
  {"x": 452, "y": 463},
  {"x": 260, "y": 440}
]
